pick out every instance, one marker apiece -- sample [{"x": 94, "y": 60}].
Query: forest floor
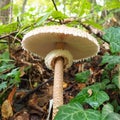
[{"x": 32, "y": 97}]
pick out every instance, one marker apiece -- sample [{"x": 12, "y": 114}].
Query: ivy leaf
[
  {"x": 116, "y": 81},
  {"x": 109, "y": 114},
  {"x": 112, "y": 36},
  {"x": 115, "y": 47},
  {"x": 113, "y": 116},
  {"x": 83, "y": 76},
  {"x": 95, "y": 99},
  {"x": 74, "y": 111},
  {"x": 110, "y": 59},
  {"x": 82, "y": 95},
  {"x": 106, "y": 110}
]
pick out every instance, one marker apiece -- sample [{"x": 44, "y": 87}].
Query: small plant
[{"x": 9, "y": 74}]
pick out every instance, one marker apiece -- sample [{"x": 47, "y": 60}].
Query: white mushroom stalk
[
  {"x": 58, "y": 60},
  {"x": 62, "y": 45}
]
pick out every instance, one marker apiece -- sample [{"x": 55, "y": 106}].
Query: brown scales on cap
[{"x": 62, "y": 45}]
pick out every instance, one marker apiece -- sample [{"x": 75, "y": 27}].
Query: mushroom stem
[{"x": 58, "y": 85}]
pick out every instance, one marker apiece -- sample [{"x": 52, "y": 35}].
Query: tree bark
[
  {"x": 23, "y": 7},
  {"x": 4, "y": 13}
]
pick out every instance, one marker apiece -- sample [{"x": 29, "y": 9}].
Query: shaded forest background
[{"x": 91, "y": 87}]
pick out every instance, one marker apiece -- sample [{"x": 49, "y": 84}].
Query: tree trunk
[
  {"x": 5, "y": 13},
  {"x": 23, "y": 7}
]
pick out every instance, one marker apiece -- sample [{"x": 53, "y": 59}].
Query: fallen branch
[{"x": 33, "y": 91}]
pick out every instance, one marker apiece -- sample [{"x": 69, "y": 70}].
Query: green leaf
[
  {"x": 116, "y": 81},
  {"x": 112, "y": 4},
  {"x": 112, "y": 36},
  {"x": 5, "y": 55},
  {"x": 97, "y": 99},
  {"x": 83, "y": 76},
  {"x": 116, "y": 105},
  {"x": 3, "y": 85},
  {"x": 6, "y": 67},
  {"x": 43, "y": 19},
  {"x": 58, "y": 15},
  {"x": 106, "y": 110},
  {"x": 13, "y": 73},
  {"x": 113, "y": 116},
  {"x": 108, "y": 113},
  {"x": 74, "y": 111},
  {"x": 5, "y": 29},
  {"x": 115, "y": 47},
  {"x": 110, "y": 59},
  {"x": 84, "y": 7},
  {"x": 93, "y": 23}
]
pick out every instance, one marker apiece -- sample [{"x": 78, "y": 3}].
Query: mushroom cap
[{"x": 42, "y": 40}]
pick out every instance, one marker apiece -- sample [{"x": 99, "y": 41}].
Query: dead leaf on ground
[
  {"x": 6, "y": 110},
  {"x": 65, "y": 85},
  {"x": 11, "y": 95},
  {"x": 33, "y": 103},
  {"x": 22, "y": 115},
  {"x": 81, "y": 85}
]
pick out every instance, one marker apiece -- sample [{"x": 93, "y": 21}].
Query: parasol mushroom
[{"x": 60, "y": 45}]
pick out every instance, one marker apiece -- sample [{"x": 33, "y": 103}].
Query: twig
[
  {"x": 12, "y": 33},
  {"x": 56, "y": 9},
  {"x": 33, "y": 91},
  {"x": 54, "y": 5},
  {"x": 91, "y": 29},
  {"x": 15, "y": 38}
]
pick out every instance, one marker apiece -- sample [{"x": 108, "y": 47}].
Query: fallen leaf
[
  {"x": 12, "y": 93},
  {"x": 81, "y": 85},
  {"x": 65, "y": 85},
  {"x": 23, "y": 115},
  {"x": 33, "y": 103},
  {"x": 6, "y": 110}
]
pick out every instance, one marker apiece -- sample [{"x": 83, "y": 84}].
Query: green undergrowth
[{"x": 9, "y": 74}]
